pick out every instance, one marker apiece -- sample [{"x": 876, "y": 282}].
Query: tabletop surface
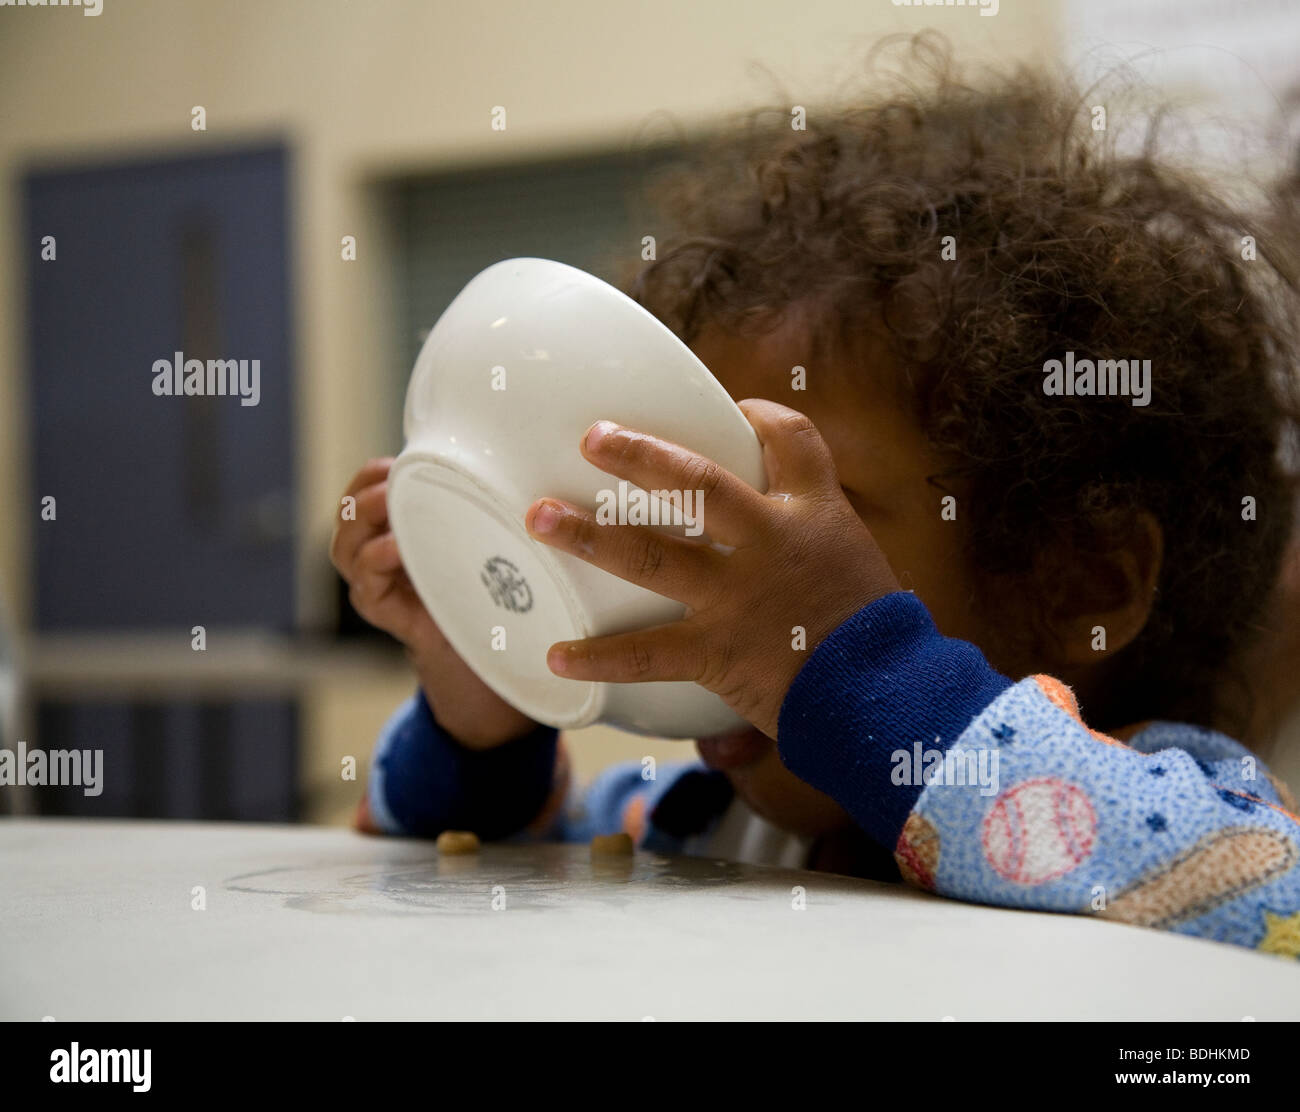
[{"x": 98, "y": 922}]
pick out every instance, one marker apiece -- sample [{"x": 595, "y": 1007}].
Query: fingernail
[
  {"x": 555, "y": 661},
  {"x": 597, "y": 433},
  {"x": 546, "y": 518}
]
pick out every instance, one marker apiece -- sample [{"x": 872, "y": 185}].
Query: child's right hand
[{"x": 365, "y": 553}]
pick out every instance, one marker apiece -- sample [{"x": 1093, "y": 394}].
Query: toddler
[{"x": 1024, "y": 404}]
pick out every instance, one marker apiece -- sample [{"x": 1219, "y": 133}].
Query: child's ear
[{"x": 1109, "y": 597}]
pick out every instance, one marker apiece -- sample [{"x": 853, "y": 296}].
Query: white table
[{"x": 314, "y": 923}]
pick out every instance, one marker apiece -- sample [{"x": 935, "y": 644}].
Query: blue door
[{"x": 169, "y": 511}]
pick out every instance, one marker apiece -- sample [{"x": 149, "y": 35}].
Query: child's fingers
[
  {"x": 372, "y": 472},
  {"x": 659, "y": 562},
  {"x": 726, "y": 505},
  {"x": 379, "y": 554},
  {"x": 372, "y": 504},
  {"x": 375, "y": 593},
  {"x": 796, "y": 457},
  {"x": 351, "y": 535},
  {"x": 362, "y": 820},
  {"x": 369, "y": 516},
  {"x": 388, "y": 602},
  {"x": 367, "y": 591},
  {"x": 668, "y": 652},
  {"x": 348, "y": 538}
]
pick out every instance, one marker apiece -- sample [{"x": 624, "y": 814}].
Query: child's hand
[
  {"x": 365, "y": 553},
  {"x": 801, "y": 558}
]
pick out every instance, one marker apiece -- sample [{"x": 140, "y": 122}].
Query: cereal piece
[
  {"x": 457, "y": 841},
  {"x": 603, "y": 844}
]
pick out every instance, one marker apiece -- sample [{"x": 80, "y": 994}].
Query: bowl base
[{"x": 496, "y": 594}]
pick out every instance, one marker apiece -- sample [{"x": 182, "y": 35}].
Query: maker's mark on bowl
[{"x": 507, "y": 586}]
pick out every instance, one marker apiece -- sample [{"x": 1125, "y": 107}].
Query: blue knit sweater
[{"x": 983, "y": 789}]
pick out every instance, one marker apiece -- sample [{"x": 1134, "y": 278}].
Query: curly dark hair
[{"x": 1063, "y": 243}]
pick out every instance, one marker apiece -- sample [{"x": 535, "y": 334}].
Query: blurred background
[{"x": 322, "y": 121}]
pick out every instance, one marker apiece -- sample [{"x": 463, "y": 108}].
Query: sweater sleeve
[
  {"x": 998, "y": 793},
  {"x": 422, "y": 782}
]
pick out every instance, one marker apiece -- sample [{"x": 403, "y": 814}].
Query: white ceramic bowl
[{"x": 569, "y": 350}]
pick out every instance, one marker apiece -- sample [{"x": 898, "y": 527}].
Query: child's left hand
[{"x": 800, "y": 557}]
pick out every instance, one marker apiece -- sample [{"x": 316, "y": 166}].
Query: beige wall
[{"x": 362, "y": 89}]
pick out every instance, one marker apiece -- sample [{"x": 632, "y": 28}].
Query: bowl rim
[{"x": 693, "y": 368}]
